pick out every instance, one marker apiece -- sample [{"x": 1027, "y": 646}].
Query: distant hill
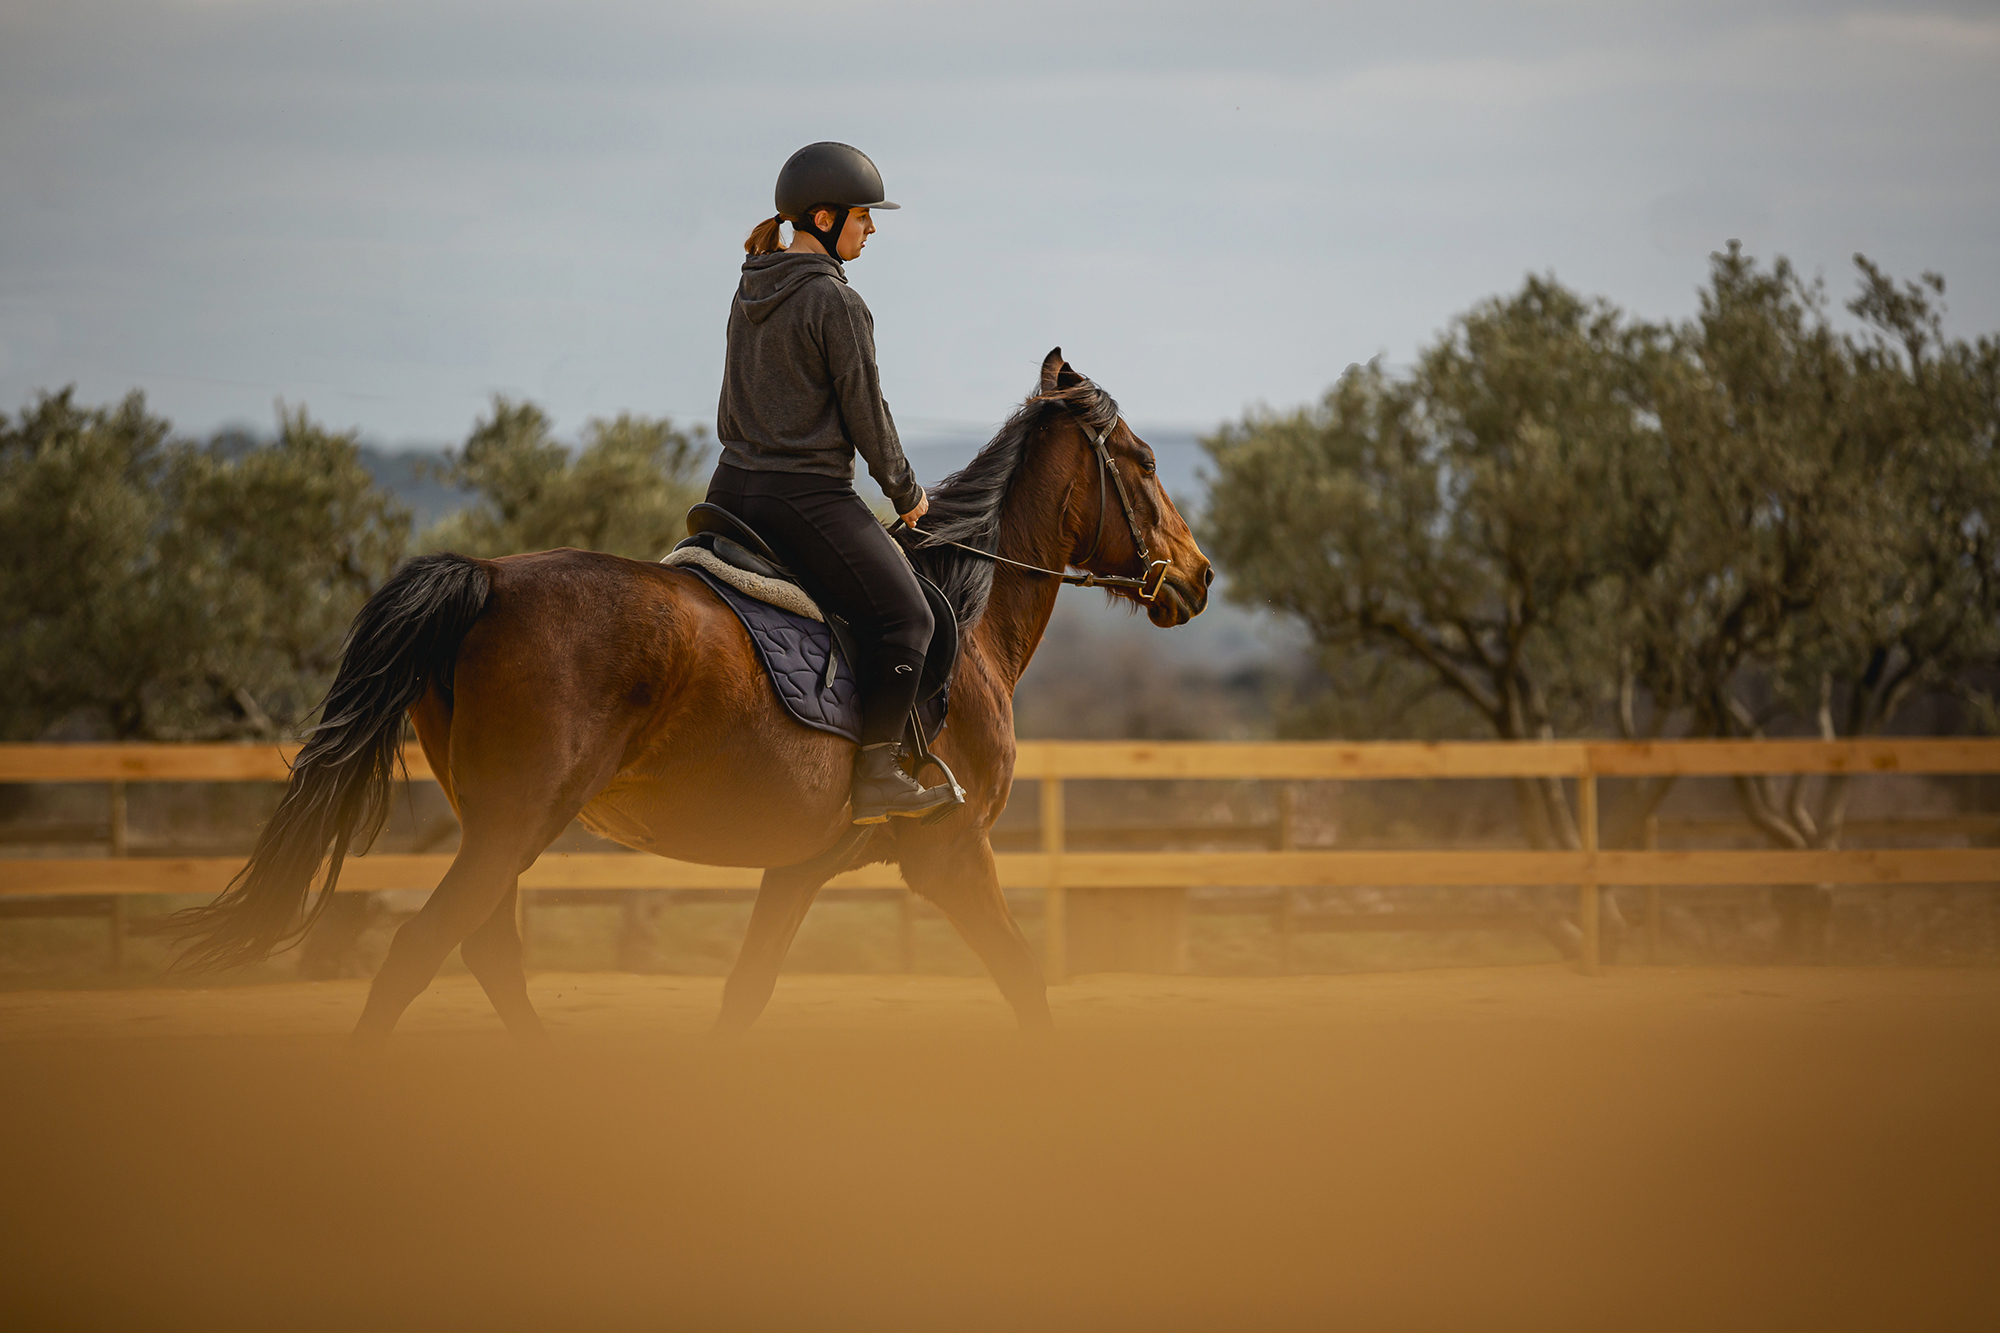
[
  {"x": 402, "y": 471},
  {"x": 936, "y": 455}
]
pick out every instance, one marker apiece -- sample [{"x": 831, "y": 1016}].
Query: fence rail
[
  {"x": 1055, "y": 870},
  {"x": 1277, "y": 761}
]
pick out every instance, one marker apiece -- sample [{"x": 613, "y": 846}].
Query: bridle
[{"x": 1154, "y": 572}]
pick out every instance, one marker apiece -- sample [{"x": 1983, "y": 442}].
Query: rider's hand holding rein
[{"x": 923, "y": 507}]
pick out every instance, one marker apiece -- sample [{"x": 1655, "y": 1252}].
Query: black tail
[{"x": 405, "y": 637}]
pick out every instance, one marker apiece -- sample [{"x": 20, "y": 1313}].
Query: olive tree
[
  {"x": 1472, "y": 523},
  {"x": 626, "y": 489},
  {"x": 1835, "y": 551},
  {"x": 158, "y": 589},
  {"x": 1564, "y": 521}
]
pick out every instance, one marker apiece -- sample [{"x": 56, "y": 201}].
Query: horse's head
[{"x": 1120, "y": 518}]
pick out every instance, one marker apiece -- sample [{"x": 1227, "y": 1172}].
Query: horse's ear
[
  {"x": 1052, "y": 365},
  {"x": 1056, "y": 373}
]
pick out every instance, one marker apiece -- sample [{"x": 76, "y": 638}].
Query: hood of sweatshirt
[{"x": 769, "y": 280}]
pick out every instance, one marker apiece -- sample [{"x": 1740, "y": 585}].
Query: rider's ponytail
[{"x": 763, "y": 238}]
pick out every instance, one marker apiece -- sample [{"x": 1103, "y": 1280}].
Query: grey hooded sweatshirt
[{"x": 800, "y": 392}]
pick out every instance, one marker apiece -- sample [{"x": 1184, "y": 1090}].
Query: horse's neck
[
  {"x": 1019, "y": 606},
  {"x": 1017, "y": 614}
]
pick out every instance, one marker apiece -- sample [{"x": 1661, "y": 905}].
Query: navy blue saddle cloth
[{"x": 794, "y": 650}]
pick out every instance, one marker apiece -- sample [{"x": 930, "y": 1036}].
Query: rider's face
[{"x": 855, "y": 234}]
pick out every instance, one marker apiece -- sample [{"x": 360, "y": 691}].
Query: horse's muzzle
[{"x": 1176, "y": 604}]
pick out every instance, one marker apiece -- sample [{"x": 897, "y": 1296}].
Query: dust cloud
[{"x": 1490, "y": 1149}]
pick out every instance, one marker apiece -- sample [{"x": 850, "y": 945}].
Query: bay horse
[{"x": 573, "y": 684}]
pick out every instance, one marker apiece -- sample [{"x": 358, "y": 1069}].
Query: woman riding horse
[
  {"x": 800, "y": 397},
  {"x": 570, "y": 685}
]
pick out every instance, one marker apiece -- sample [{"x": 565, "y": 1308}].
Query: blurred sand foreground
[{"x": 1480, "y": 1149}]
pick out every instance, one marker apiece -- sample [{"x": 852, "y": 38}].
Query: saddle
[{"x": 808, "y": 652}]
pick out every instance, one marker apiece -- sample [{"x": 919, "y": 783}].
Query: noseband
[{"x": 1154, "y": 572}]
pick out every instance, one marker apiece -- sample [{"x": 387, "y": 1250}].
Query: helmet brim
[{"x": 882, "y": 203}]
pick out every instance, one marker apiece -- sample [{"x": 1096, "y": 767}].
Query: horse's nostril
[{"x": 1208, "y": 576}]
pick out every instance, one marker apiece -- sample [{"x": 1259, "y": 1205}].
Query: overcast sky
[{"x": 389, "y": 211}]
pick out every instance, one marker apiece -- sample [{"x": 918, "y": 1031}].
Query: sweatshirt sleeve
[{"x": 857, "y": 387}]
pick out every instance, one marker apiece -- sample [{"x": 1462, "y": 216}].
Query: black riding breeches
[{"x": 823, "y": 531}]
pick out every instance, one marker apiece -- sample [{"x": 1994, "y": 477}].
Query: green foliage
[
  {"x": 278, "y": 548},
  {"x": 1929, "y": 606},
  {"x": 1454, "y": 530},
  {"x": 1832, "y": 543},
  {"x": 158, "y": 589},
  {"x": 1562, "y": 520},
  {"x": 80, "y": 621},
  {"x": 1780, "y": 508},
  {"x": 1841, "y": 557},
  {"x": 626, "y": 490}
]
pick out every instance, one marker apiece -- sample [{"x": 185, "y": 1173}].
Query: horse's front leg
[
  {"x": 782, "y": 900},
  {"x": 959, "y": 876}
]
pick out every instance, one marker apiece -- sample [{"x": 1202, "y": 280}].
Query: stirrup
[
  {"x": 920, "y": 747},
  {"x": 905, "y": 797},
  {"x": 929, "y": 760}
]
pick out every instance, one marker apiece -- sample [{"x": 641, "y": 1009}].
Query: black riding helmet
[{"x": 828, "y": 173}]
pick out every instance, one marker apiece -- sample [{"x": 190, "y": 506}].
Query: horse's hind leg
[
  {"x": 965, "y": 886},
  {"x": 481, "y": 878},
  {"x": 493, "y": 954},
  {"x": 782, "y": 900},
  {"x": 493, "y": 950}
]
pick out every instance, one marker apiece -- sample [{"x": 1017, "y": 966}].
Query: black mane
[{"x": 965, "y": 507}]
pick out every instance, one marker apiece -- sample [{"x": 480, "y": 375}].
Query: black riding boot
[{"x": 882, "y": 788}]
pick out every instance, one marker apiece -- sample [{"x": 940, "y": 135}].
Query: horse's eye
[{"x": 1148, "y": 466}]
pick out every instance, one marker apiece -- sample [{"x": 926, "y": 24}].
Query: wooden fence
[{"x": 1054, "y": 870}]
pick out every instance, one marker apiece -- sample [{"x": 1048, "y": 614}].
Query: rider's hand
[{"x": 923, "y": 507}]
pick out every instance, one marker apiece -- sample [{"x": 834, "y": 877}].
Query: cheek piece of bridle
[{"x": 1154, "y": 575}]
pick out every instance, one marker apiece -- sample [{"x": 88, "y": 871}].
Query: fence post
[
  {"x": 118, "y": 829},
  {"x": 120, "y": 839},
  {"x": 1288, "y": 840},
  {"x": 1586, "y": 893},
  {"x": 1055, "y": 940},
  {"x": 1652, "y": 895}
]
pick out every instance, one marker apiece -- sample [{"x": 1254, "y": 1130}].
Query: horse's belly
[{"x": 722, "y": 818}]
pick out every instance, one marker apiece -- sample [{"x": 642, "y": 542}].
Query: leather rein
[{"x": 1148, "y": 584}]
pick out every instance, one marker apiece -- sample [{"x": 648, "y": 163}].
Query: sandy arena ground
[{"x": 1480, "y": 1149}]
